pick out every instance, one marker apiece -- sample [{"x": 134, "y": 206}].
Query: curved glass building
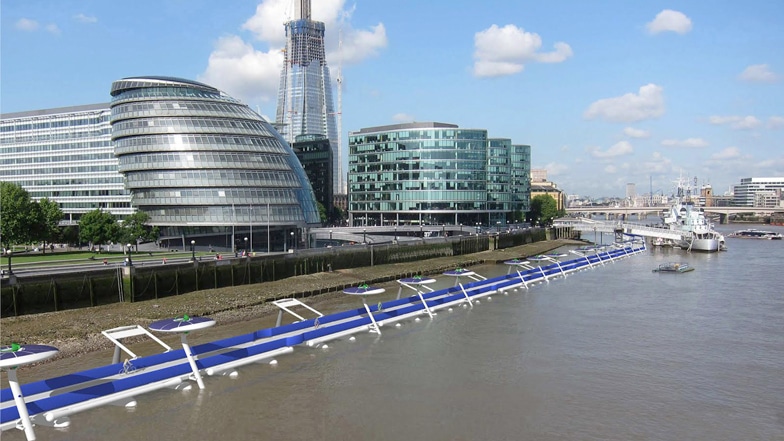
[
  {"x": 435, "y": 173},
  {"x": 205, "y": 167}
]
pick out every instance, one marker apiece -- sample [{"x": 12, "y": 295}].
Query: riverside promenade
[{"x": 78, "y": 331}]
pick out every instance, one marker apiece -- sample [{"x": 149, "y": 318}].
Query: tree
[
  {"x": 50, "y": 214},
  {"x": 20, "y": 216},
  {"x": 135, "y": 228},
  {"x": 99, "y": 227},
  {"x": 543, "y": 210},
  {"x": 70, "y": 234},
  {"x": 322, "y": 212}
]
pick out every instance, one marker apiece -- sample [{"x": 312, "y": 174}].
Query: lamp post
[
  {"x": 330, "y": 237},
  {"x": 9, "y": 252},
  {"x": 293, "y": 244},
  {"x": 193, "y": 250},
  {"x": 130, "y": 261},
  {"x": 246, "y": 247},
  {"x": 395, "y": 233},
  {"x": 364, "y": 232}
]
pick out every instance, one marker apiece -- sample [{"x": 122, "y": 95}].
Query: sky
[{"x": 606, "y": 92}]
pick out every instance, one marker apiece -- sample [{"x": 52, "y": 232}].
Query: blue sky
[{"x": 606, "y": 93}]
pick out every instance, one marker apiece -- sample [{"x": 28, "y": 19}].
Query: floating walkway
[{"x": 51, "y": 402}]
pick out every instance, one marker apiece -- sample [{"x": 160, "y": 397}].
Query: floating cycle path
[{"x": 50, "y": 402}]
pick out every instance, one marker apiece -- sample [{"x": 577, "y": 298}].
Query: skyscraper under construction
[{"x": 305, "y": 104}]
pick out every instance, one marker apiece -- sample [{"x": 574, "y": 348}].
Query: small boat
[
  {"x": 757, "y": 234},
  {"x": 674, "y": 267}
]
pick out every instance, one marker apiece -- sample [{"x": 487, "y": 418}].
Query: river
[{"x": 613, "y": 353}]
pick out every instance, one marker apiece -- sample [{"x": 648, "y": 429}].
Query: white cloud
[
  {"x": 358, "y": 44},
  {"x": 758, "y": 73},
  {"x": 636, "y": 133},
  {"x": 556, "y": 169},
  {"x": 688, "y": 142},
  {"x": 85, "y": 18},
  {"x": 618, "y": 149},
  {"x": 669, "y": 21},
  {"x": 727, "y": 153},
  {"x": 736, "y": 122},
  {"x": 648, "y": 103},
  {"x": 26, "y": 24},
  {"x": 775, "y": 122},
  {"x": 610, "y": 169},
  {"x": 241, "y": 70},
  {"x": 403, "y": 117},
  {"x": 500, "y": 51}
]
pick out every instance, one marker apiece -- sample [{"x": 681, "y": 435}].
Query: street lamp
[
  {"x": 395, "y": 233},
  {"x": 330, "y": 237},
  {"x": 293, "y": 244},
  {"x": 364, "y": 232},
  {"x": 246, "y": 247},
  {"x": 9, "y": 252},
  {"x": 130, "y": 261},
  {"x": 193, "y": 250}
]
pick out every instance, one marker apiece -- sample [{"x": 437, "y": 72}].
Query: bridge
[
  {"x": 625, "y": 212},
  {"x": 590, "y": 225}
]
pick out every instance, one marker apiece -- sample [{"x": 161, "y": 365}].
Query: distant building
[
  {"x": 550, "y": 189},
  {"x": 435, "y": 173},
  {"x": 538, "y": 175},
  {"x": 315, "y": 155},
  {"x": 66, "y": 155},
  {"x": 305, "y": 105},
  {"x": 758, "y": 192},
  {"x": 631, "y": 191}
]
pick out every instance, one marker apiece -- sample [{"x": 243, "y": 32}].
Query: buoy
[
  {"x": 352, "y": 338},
  {"x": 324, "y": 346},
  {"x": 397, "y": 325},
  {"x": 273, "y": 362}
]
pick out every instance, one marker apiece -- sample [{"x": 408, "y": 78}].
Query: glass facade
[
  {"x": 201, "y": 163},
  {"x": 435, "y": 173},
  {"x": 315, "y": 155},
  {"x": 305, "y": 104},
  {"x": 65, "y": 155},
  {"x": 520, "y": 180}
]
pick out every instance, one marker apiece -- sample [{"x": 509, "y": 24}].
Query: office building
[
  {"x": 315, "y": 155},
  {"x": 66, "y": 155},
  {"x": 305, "y": 104},
  {"x": 758, "y": 192},
  {"x": 205, "y": 167},
  {"x": 631, "y": 191},
  {"x": 435, "y": 173}
]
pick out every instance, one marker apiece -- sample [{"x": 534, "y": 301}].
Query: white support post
[
  {"x": 21, "y": 406},
  {"x": 466, "y": 295},
  {"x": 191, "y": 360},
  {"x": 374, "y": 328}
]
